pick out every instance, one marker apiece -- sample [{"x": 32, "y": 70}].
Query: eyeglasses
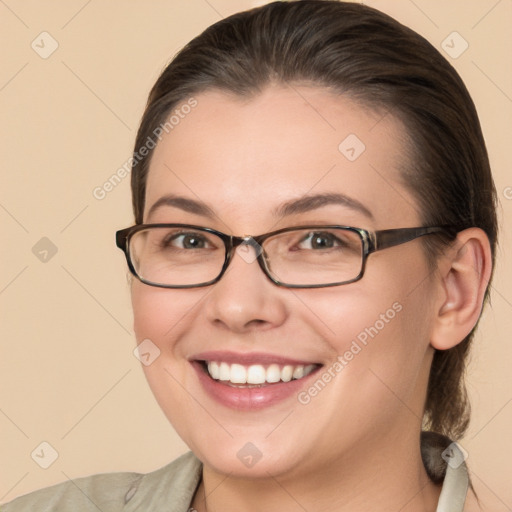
[{"x": 187, "y": 256}]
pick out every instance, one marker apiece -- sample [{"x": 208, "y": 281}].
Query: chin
[{"x": 247, "y": 459}]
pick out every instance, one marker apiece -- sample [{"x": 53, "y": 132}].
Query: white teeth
[
  {"x": 224, "y": 372},
  {"x": 213, "y": 369},
  {"x": 273, "y": 373},
  {"x": 308, "y": 369},
  {"x": 298, "y": 372},
  {"x": 287, "y": 373},
  {"x": 257, "y": 374},
  {"x": 238, "y": 374}
]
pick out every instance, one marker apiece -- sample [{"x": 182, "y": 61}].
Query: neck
[{"x": 379, "y": 474}]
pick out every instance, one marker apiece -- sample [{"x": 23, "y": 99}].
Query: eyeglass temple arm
[{"x": 391, "y": 237}]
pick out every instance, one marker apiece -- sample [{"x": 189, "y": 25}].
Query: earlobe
[{"x": 465, "y": 271}]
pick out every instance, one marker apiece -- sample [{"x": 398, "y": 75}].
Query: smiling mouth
[{"x": 256, "y": 375}]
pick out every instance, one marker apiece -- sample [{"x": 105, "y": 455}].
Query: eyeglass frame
[{"x": 372, "y": 241}]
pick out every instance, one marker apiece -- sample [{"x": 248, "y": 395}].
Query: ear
[{"x": 464, "y": 272}]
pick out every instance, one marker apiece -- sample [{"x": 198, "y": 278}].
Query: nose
[{"x": 245, "y": 299}]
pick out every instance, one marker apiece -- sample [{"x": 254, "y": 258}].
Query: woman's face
[{"x": 238, "y": 162}]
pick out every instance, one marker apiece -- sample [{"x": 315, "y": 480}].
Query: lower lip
[{"x": 249, "y": 399}]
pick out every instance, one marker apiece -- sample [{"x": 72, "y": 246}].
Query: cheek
[
  {"x": 159, "y": 313},
  {"x": 378, "y": 342},
  {"x": 348, "y": 317},
  {"x": 162, "y": 316},
  {"x": 378, "y": 328}
]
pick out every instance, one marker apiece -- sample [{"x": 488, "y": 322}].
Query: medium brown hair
[{"x": 360, "y": 52}]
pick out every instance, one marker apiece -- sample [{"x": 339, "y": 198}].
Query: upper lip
[{"x": 248, "y": 358}]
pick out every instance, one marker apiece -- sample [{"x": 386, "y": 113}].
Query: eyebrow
[
  {"x": 308, "y": 203},
  {"x": 292, "y": 207},
  {"x": 187, "y": 205}
]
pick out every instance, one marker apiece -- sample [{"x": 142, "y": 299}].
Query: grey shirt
[{"x": 169, "y": 489}]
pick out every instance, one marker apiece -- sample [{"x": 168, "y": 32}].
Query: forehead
[{"x": 244, "y": 156}]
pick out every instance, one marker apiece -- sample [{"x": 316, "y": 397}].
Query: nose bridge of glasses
[
  {"x": 242, "y": 240},
  {"x": 242, "y": 245}
]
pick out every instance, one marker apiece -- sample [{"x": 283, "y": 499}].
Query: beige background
[{"x": 68, "y": 374}]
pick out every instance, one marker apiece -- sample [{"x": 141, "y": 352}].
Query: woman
[{"x": 313, "y": 243}]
